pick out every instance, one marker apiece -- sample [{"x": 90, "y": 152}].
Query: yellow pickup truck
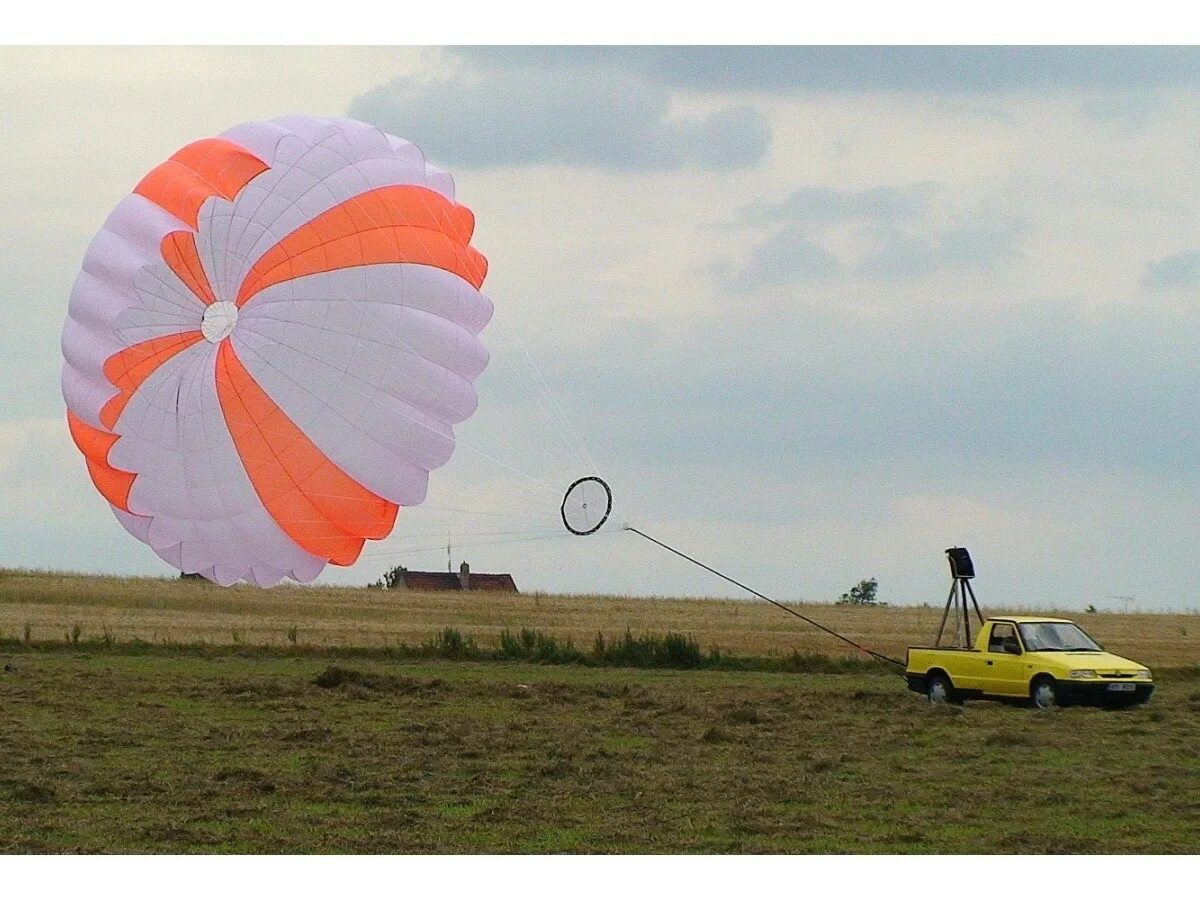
[{"x": 1045, "y": 662}]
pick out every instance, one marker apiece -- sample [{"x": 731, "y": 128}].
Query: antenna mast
[{"x": 962, "y": 570}]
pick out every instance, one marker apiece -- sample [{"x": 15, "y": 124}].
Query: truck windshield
[{"x": 1055, "y": 636}]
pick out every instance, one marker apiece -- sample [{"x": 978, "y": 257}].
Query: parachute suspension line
[
  {"x": 538, "y": 483},
  {"x": 541, "y": 484},
  {"x": 527, "y": 371},
  {"x": 440, "y": 547},
  {"x": 566, "y": 425},
  {"x": 565, "y": 454},
  {"x": 575, "y": 440},
  {"x": 571, "y": 436},
  {"x": 473, "y": 512},
  {"x": 441, "y": 533},
  {"x": 787, "y": 609}
]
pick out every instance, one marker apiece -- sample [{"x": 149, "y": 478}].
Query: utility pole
[{"x": 449, "y": 563}]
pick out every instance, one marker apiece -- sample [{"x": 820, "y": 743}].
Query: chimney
[{"x": 464, "y": 576}]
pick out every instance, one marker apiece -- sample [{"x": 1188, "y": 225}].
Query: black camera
[{"x": 960, "y": 562}]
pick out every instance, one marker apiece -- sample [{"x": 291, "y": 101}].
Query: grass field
[
  {"x": 50, "y": 606},
  {"x": 296, "y": 745},
  {"x": 109, "y": 752}
]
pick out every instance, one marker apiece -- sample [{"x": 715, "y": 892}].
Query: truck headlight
[
  {"x": 1143, "y": 673},
  {"x": 1083, "y": 673}
]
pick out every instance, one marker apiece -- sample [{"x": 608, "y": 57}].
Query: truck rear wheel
[
  {"x": 1043, "y": 693},
  {"x": 939, "y": 688}
]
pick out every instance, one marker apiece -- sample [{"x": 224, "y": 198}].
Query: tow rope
[{"x": 787, "y": 609}]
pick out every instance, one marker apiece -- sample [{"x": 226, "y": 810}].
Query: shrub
[
  {"x": 668, "y": 651},
  {"x": 449, "y": 643},
  {"x": 530, "y": 645}
]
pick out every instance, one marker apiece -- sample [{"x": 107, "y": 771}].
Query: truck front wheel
[
  {"x": 939, "y": 689},
  {"x": 1043, "y": 693}
]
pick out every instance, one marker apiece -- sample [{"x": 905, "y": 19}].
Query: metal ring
[{"x": 607, "y": 510}]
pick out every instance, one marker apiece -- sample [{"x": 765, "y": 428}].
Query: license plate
[{"x": 1122, "y": 687}]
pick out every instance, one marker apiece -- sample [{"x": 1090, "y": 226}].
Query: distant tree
[
  {"x": 862, "y": 594},
  {"x": 1091, "y": 608},
  {"x": 392, "y": 579}
]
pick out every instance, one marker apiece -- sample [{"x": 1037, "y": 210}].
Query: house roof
[{"x": 450, "y": 581}]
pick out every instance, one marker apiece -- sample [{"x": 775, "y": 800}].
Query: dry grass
[{"x": 52, "y": 605}]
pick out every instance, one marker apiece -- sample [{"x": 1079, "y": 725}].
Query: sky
[{"x": 816, "y": 314}]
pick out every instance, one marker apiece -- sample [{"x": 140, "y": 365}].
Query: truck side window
[{"x": 1000, "y": 632}]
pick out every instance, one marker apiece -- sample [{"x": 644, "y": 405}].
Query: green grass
[
  {"x": 111, "y": 750},
  {"x": 650, "y": 651}
]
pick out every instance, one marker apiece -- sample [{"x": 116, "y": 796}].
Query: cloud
[
  {"x": 786, "y": 257},
  {"x": 924, "y": 390},
  {"x": 901, "y": 253},
  {"x": 52, "y": 516},
  {"x": 755, "y": 431},
  {"x": 1134, "y": 111},
  {"x": 527, "y": 116},
  {"x": 843, "y": 70},
  {"x": 894, "y": 233},
  {"x": 25, "y": 438},
  {"x": 821, "y": 204},
  {"x": 1179, "y": 270}
]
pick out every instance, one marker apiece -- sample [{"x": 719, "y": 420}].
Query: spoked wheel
[
  {"x": 586, "y": 505},
  {"x": 939, "y": 689},
  {"x": 1043, "y": 693}
]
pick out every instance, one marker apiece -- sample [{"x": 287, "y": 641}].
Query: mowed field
[
  {"x": 107, "y": 752},
  {"x": 295, "y": 746}
]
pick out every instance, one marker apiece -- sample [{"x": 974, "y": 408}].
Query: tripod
[{"x": 961, "y": 573}]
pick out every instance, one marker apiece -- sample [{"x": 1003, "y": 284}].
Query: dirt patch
[
  {"x": 27, "y": 791},
  {"x": 337, "y": 677}
]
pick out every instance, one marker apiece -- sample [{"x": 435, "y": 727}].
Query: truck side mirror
[{"x": 1010, "y": 645}]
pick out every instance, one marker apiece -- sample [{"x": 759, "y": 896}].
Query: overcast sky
[{"x": 817, "y": 314}]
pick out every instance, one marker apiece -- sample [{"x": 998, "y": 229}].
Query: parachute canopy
[{"x": 269, "y": 344}]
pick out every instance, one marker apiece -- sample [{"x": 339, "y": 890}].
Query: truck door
[
  {"x": 1004, "y": 666},
  {"x": 969, "y": 670}
]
